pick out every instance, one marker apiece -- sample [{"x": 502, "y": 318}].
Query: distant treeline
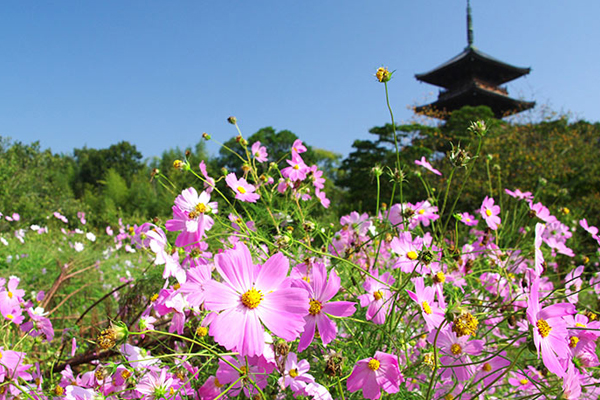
[{"x": 556, "y": 159}]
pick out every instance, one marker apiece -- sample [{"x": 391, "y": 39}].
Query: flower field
[{"x": 249, "y": 290}]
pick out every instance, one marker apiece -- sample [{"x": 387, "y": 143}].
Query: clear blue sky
[{"x": 159, "y": 73}]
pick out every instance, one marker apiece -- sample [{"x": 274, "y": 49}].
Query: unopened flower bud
[
  {"x": 232, "y": 120},
  {"x": 205, "y": 136},
  {"x": 478, "y": 128},
  {"x": 383, "y": 75}
]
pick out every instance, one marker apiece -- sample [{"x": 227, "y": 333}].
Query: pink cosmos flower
[
  {"x": 425, "y": 212},
  {"x": 517, "y": 194},
  {"x": 468, "y": 219},
  {"x": 549, "y": 329},
  {"x": 317, "y": 177},
  {"x": 243, "y": 190},
  {"x": 320, "y": 291},
  {"x": 61, "y": 217},
  {"x": 193, "y": 287},
  {"x": 490, "y": 213},
  {"x": 256, "y": 369},
  {"x": 296, "y": 375},
  {"x": 538, "y": 262},
  {"x": 259, "y": 152},
  {"x": 374, "y": 374},
  {"x": 211, "y": 389},
  {"x": 198, "y": 209},
  {"x": 155, "y": 386},
  {"x": 424, "y": 297},
  {"x": 407, "y": 251},
  {"x": 425, "y": 164},
  {"x": 491, "y": 369},
  {"x": 540, "y": 211},
  {"x": 209, "y": 184},
  {"x": 298, "y": 147},
  {"x": 592, "y": 230},
  {"x": 455, "y": 352},
  {"x": 378, "y": 297},
  {"x": 39, "y": 324},
  {"x": 297, "y": 170},
  {"x": 322, "y": 198},
  {"x": 251, "y": 296}
]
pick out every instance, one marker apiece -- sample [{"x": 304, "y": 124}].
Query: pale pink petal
[
  {"x": 339, "y": 308},
  {"x": 272, "y": 273}
]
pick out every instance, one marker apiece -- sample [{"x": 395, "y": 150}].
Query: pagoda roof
[
  {"x": 469, "y": 64},
  {"x": 475, "y": 93}
]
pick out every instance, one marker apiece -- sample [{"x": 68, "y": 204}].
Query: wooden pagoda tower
[{"x": 473, "y": 78}]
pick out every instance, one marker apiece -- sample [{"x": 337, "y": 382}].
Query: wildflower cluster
[{"x": 257, "y": 298}]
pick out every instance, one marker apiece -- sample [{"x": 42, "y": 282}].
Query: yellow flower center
[
  {"x": 217, "y": 383},
  {"x": 257, "y": 154},
  {"x": 449, "y": 396},
  {"x": 294, "y": 372},
  {"x": 201, "y": 208},
  {"x": 488, "y": 212},
  {"x": 10, "y": 316},
  {"x": 412, "y": 255},
  {"x": 296, "y": 166},
  {"x": 0, "y": 355},
  {"x": 543, "y": 328},
  {"x": 177, "y": 286},
  {"x": 378, "y": 295},
  {"x": 456, "y": 349},
  {"x": 421, "y": 211},
  {"x": 252, "y": 298},
  {"x": 382, "y": 74},
  {"x": 59, "y": 391},
  {"x": 241, "y": 189},
  {"x": 439, "y": 277},
  {"x": 426, "y": 308},
  {"x": 573, "y": 341},
  {"x": 154, "y": 297},
  {"x": 315, "y": 307},
  {"x": 125, "y": 374},
  {"x": 467, "y": 219},
  {"x": 373, "y": 364},
  {"x": 10, "y": 295},
  {"x": 306, "y": 279},
  {"x": 487, "y": 367},
  {"x": 202, "y": 331},
  {"x": 465, "y": 324},
  {"x": 244, "y": 370},
  {"x": 523, "y": 381},
  {"x": 579, "y": 325}
]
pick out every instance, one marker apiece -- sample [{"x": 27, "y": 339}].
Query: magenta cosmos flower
[
  {"x": 297, "y": 170},
  {"x": 259, "y": 152},
  {"x": 243, "y": 190},
  {"x": 251, "y": 296},
  {"x": 490, "y": 213},
  {"x": 549, "y": 330},
  {"x": 320, "y": 292},
  {"x": 425, "y": 164},
  {"x": 455, "y": 351},
  {"x": 197, "y": 208},
  {"x": 376, "y": 373},
  {"x": 424, "y": 296},
  {"x": 378, "y": 297}
]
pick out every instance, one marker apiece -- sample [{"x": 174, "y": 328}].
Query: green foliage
[
  {"x": 34, "y": 183},
  {"x": 562, "y": 155}
]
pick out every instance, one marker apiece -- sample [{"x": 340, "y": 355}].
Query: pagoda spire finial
[{"x": 469, "y": 25}]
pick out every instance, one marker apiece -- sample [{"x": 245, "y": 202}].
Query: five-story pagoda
[{"x": 473, "y": 78}]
